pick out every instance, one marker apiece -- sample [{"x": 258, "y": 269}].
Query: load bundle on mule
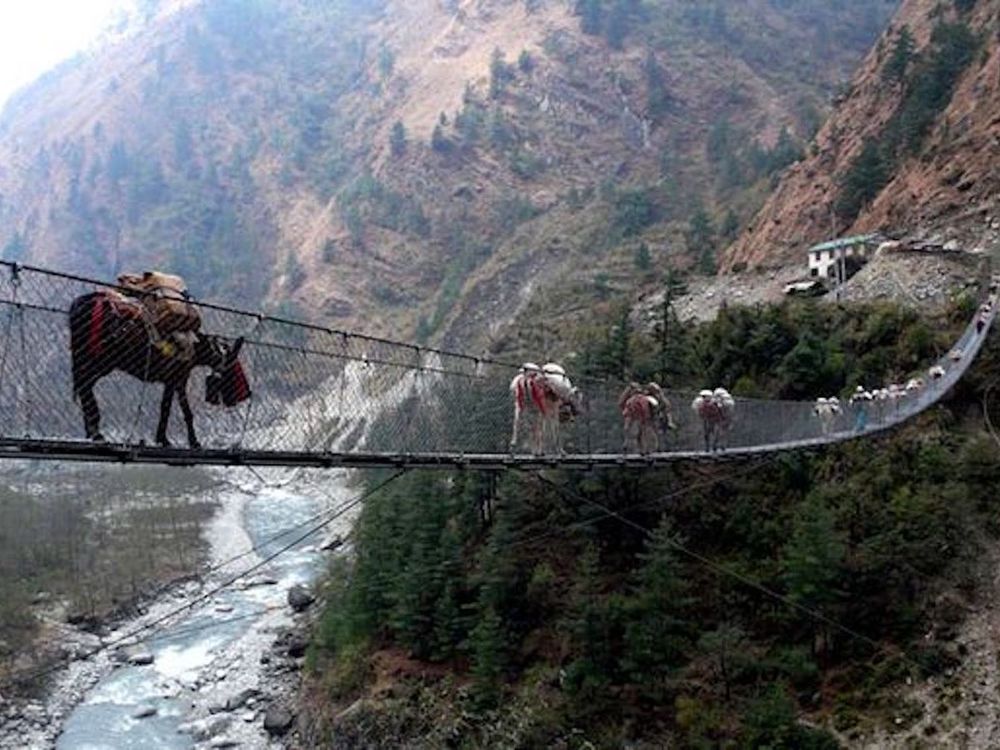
[
  {"x": 548, "y": 394},
  {"x": 828, "y": 410},
  {"x": 167, "y": 303},
  {"x": 716, "y": 410}
]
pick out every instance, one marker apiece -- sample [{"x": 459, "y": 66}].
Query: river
[{"x": 213, "y": 652}]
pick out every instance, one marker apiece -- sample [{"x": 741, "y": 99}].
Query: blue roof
[{"x": 857, "y": 239}]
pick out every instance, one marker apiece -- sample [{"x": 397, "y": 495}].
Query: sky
[{"x": 36, "y": 35}]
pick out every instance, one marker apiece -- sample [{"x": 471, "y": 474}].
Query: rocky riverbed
[{"x": 222, "y": 674}]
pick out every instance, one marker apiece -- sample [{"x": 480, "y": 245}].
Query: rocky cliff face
[
  {"x": 421, "y": 167},
  {"x": 932, "y": 133}
]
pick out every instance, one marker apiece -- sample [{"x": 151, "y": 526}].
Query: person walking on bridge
[{"x": 859, "y": 405}]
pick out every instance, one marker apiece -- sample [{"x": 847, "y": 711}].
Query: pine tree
[
  {"x": 642, "y": 259},
  {"x": 700, "y": 238},
  {"x": 386, "y": 62},
  {"x": 720, "y": 141},
  {"x": 669, "y": 331},
  {"x": 525, "y": 61},
  {"x": 656, "y": 637},
  {"x": 617, "y": 26},
  {"x": 449, "y": 624},
  {"x": 587, "y": 622},
  {"x": 618, "y": 353},
  {"x": 633, "y": 210},
  {"x": 488, "y": 656},
  {"x": 469, "y": 124},
  {"x": 439, "y": 141},
  {"x": 657, "y": 95},
  {"x": 397, "y": 139},
  {"x": 590, "y": 16},
  {"x": 724, "y": 645},
  {"x": 501, "y": 134},
  {"x": 417, "y": 587},
  {"x": 813, "y": 558},
  {"x": 900, "y": 57},
  {"x": 500, "y": 73},
  {"x": 730, "y": 226},
  {"x": 863, "y": 181},
  {"x": 118, "y": 162}
]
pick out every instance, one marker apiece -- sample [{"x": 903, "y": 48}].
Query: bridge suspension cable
[{"x": 322, "y": 397}]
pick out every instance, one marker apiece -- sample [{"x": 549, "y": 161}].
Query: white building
[{"x": 829, "y": 259}]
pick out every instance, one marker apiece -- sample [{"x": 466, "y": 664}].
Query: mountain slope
[
  {"x": 284, "y": 151},
  {"x": 913, "y": 143}
]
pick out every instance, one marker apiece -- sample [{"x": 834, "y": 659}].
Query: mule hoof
[
  {"x": 194, "y": 445},
  {"x": 164, "y": 443},
  {"x": 98, "y": 438}
]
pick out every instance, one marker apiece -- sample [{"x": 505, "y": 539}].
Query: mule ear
[{"x": 234, "y": 351}]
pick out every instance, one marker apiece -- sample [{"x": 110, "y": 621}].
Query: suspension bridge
[{"x": 328, "y": 398}]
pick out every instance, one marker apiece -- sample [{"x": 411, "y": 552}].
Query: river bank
[{"x": 221, "y": 671}]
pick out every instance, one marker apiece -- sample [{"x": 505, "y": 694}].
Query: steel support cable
[
  {"x": 162, "y": 636},
  {"x": 159, "y": 623},
  {"x": 259, "y": 547},
  {"x": 795, "y": 427},
  {"x": 75, "y": 278},
  {"x": 725, "y": 572}
]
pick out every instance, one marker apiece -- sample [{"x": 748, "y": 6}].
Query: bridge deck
[
  {"x": 78, "y": 451},
  {"x": 325, "y": 398}
]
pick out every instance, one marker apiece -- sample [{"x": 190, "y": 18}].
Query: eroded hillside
[
  {"x": 422, "y": 167},
  {"x": 913, "y": 143}
]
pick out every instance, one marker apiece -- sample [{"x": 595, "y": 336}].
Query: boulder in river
[
  {"x": 240, "y": 699},
  {"x": 278, "y": 720},
  {"x": 203, "y": 729},
  {"x": 140, "y": 658},
  {"x": 299, "y": 598},
  {"x": 333, "y": 544},
  {"x": 297, "y": 646},
  {"x": 144, "y": 712}
]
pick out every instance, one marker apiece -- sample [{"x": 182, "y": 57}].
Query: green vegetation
[
  {"x": 701, "y": 240},
  {"x": 251, "y": 106},
  {"x": 397, "y": 139},
  {"x": 501, "y": 73},
  {"x": 368, "y": 200},
  {"x": 525, "y": 61},
  {"x": 740, "y": 161},
  {"x": 511, "y": 584},
  {"x": 789, "y": 351},
  {"x": 859, "y": 186},
  {"x": 613, "y": 19},
  {"x": 96, "y": 540},
  {"x": 928, "y": 81},
  {"x": 896, "y": 66}
]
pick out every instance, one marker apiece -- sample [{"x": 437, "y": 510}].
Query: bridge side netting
[{"x": 318, "y": 390}]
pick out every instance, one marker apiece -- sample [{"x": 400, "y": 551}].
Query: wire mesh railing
[{"x": 323, "y": 392}]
